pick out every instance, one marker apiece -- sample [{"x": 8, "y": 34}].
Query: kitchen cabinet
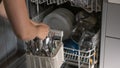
[
  {"x": 114, "y": 1},
  {"x": 110, "y": 36},
  {"x": 112, "y": 55},
  {"x": 113, "y": 20}
]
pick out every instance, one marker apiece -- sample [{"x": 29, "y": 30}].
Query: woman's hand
[
  {"x": 23, "y": 27},
  {"x": 43, "y": 31}
]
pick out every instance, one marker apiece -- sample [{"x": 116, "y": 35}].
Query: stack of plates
[{"x": 61, "y": 19}]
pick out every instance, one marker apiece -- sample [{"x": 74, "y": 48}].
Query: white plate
[{"x": 60, "y": 20}]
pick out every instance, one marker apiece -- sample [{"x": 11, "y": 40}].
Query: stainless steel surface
[
  {"x": 103, "y": 32},
  {"x": 8, "y": 40},
  {"x": 38, "y": 10}
]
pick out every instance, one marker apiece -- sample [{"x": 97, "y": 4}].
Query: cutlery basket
[{"x": 46, "y": 62}]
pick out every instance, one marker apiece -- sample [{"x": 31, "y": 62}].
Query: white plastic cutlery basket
[{"x": 54, "y": 61}]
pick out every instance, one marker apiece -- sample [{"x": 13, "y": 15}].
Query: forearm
[{"x": 18, "y": 15}]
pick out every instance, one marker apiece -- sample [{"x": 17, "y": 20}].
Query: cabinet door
[
  {"x": 114, "y": 1},
  {"x": 113, "y": 20},
  {"x": 112, "y": 53}
]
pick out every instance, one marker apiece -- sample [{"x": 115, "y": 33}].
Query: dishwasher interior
[{"x": 80, "y": 21}]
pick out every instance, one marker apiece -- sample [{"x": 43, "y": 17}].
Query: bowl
[{"x": 73, "y": 45}]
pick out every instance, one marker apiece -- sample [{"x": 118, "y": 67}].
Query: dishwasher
[{"x": 80, "y": 20}]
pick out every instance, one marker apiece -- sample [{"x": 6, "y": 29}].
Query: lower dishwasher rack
[{"x": 82, "y": 58}]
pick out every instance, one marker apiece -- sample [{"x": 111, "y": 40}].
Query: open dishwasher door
[
  {"x": 81, "y": 45},
  {"x": 8, "y": 40}
]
